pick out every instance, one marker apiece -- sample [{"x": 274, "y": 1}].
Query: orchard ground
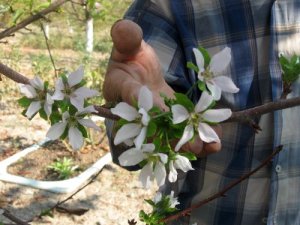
[{"x": 114, "y": 197}]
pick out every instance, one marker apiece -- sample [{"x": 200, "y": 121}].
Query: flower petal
[
  {"x": 86, "y": 110},
  {"x": 207, "y": 134},
  {"x": 179, "y": 113},
  {"x": 148, "y": 148},
  {"x": 160, "y": 173},
  {"x": 199, "y": 58},
  {"x": 215, "y": 90},
  {"x": 226, "y": 84},
  {"x": 188, "y": 134},
  {"x": 172, "y": 173},
  {"x": 78, "y": 102},
  {"x": 145, "y": 99},
  {"x": 216, "y": 115},
  {"x": 183, "y": 163},
  {"x": 145, "y": 116},
  {"x": 163, "y": 157},
  {"x": 56, "y": 130},
  {"x": 75, "y": 77},
  {"x": 204, "y": 101},
  {"x": 33, "y": 108},
  {"x": 125, "y": 111},
  {"x": 37, "y": 83},
  {"x": 59, "y": 85},
  {"x": 84, "y": 92},
  {"x": 75, "y": 138},
  {"x": 145, "y": 175},
  {"x": 89, "y": 123},
  {"x": 131, "y": 157},
  {"x": 157, "y": 198},
  {"x": 173, "y": 200},
  {"x": 58, "y": 95},
  {"x": 27, "y": 90},
  {"x": 127, "y": 131},
  {"x": 139, "y": 140},
  {"x": 220, "y": 61}
]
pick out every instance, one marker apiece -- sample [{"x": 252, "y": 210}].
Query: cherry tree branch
[
  {"x": 30, "y": 19},
  {"x": 239, "y": 116},
  {"x": 13, "y": 75},
  {"x": 224, "y": 190}
]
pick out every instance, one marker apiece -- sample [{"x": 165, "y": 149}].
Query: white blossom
[
  {"x": 71, "y": 123},
  {"x": 211, "y": 76},
  {"x": 154, "y": 168},
  {"x": 181, "y": 163},
  {"x": 71, "y": 91},
  {"x": 136, "y": 130},
  {"x": 198, "y": 119},
  {"x": 172, "y": 200},
  {"x": 35, "y": 90}
]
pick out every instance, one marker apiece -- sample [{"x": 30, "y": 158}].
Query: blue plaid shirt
[{"x": 256, "y": 31}]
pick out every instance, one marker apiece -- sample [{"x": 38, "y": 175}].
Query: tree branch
[
  {"x": 13, "y": 75},
  {"x": 239, "y": 116},
  {"x": 48, "y": 48},
  {"x": 224, "y": 190},
  {"x": 30, "y": 19}
]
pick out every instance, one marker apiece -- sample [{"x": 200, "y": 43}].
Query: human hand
[{"x": 134, "y": 64}]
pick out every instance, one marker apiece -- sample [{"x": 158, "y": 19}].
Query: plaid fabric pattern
[{"x": 256, "y": 31}]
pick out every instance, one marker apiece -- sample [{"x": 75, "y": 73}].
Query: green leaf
[
  {"x": 185, "y": 101},
  {"x": 63, "y": 105},
  {"x": 151, "y": 129},
  {"x": 46, "y": 212},
  {"x": 72, "y": 109},
  {"x": 24, "y": 102},
  {"x": 43, "y": 114},
  {"x": 192, "y": 66},
  {"x": 82, "y": 130},
  {"x": 55, "y": 117},
  {"x": 191, "y": 156},
  {"x": 206, "y": 56},
  {"x": 201, "y": 86},
  {"x": 18, "y": 13}
]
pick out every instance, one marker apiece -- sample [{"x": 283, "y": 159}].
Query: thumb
[{"x": 127, "y": 37}]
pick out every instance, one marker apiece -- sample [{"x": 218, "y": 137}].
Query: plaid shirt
[{"x": 256, "y": 31}]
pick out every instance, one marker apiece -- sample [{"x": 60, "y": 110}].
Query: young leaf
[
  {"x": 185, "y": 101},
  {"x": 206, "y": 56},
  {"x": 24, "y": 102}
]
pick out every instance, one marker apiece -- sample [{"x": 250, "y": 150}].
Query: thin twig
[
  {"x": 30, "y": 19},
  {"x": 224, "y": 190},
  {"x": 59, "y": 203},
  {"x": 49, "y": 50}
]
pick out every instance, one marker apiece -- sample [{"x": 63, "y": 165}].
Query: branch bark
[
  {"x": 224, "y": 190},
  {"x": 30, "y": 19}
]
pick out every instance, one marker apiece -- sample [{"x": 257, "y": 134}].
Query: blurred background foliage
[{"x": 26, "y": 51}]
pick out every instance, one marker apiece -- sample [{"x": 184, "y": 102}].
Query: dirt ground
[{"x": 113, "y": 198}]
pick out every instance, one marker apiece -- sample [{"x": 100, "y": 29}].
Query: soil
[
  {"x": 112, "y": 199},
  {"x": 52, "y": 152}
]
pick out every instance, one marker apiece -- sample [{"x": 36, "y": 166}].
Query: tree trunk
[{"x": 89, "y": 34}]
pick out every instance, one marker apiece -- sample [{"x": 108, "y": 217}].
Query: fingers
[
  {"x": 127, "y": 37},
  {"x": 203, "y": 149}
]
